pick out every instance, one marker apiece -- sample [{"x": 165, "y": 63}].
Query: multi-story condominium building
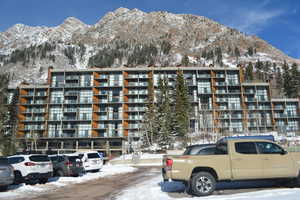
[{"x": 98, "y": 108}]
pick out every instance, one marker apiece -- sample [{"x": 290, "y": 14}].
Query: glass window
[
  {"x": 39, "y": 158},
  {"x": 245, "y": 148},
  {"x": 207, "y": 151},
  {"x": 268, "y": 148},
  {"x": 93, "y": 155},
  {"x": 3, "y": 161},
  {"x": 221, "y": 148},
  {"x": 15, "y": 160}
]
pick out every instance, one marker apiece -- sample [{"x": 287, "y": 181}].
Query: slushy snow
[
  {"x": 156, "y": 189},
  {"x": 22, "y": 190}
]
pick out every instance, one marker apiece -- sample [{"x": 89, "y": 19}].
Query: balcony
[
  {"x": 70, "y": 110},
  {"x": 220, "y": 75},
  {"x": 220, "y": 83},
  {"x": 249, "y": 99},
  {"x": 203, "y": 76},
  {"x": 73, "y": 77},
  {"x": 71, "y": 93}
]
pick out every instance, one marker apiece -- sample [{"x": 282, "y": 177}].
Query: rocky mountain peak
[{"x": 130, "y": 37}]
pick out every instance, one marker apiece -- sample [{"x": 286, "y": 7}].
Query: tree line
[
  {"x": 286, "y": 79},
  {"x": 167, "y": 118}
]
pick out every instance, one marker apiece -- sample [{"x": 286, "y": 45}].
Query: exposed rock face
[{"x": 128, "y": 37}]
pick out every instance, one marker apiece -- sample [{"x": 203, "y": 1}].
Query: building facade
[{"x": 99, "y": 108}]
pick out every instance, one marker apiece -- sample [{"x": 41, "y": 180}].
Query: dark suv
[{"x": 66, "y": 165}]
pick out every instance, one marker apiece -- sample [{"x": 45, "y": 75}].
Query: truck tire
[{"x": 203, "y": 184}]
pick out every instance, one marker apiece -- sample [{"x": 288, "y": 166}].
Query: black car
[
  {"x": 66, "y": 165},
  {"x": 200, "y": 149}
]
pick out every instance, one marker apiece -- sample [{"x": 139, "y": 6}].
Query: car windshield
[
  {"x": 73, "y": 158},
  {"x": 3, "y": 161},
  {"x": 93, "y": 155},
  {"x": 39, "y": 158}
]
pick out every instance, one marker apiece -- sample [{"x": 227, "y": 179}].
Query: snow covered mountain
[{"x": 131, "y": 38}]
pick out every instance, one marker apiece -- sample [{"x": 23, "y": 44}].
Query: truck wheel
[{"x": 203, "y": 184}]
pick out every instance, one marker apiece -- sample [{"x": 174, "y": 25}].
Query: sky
[{"x": 276, "y": 21}]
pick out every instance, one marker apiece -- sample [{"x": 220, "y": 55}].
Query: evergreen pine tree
[
  {"x": 249, "y": 72},
  {"x": 182, "y": 107},
  {"x": 185, "y": 60},
  {"x": 287, "y": 81},
  {"x": 7, "y": 119},
  {"x": 164, "y": 115},
  {"x": 295, "y": 79}
]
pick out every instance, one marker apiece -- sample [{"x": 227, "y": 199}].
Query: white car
[
  {"x": 92, "y": 161},
  {"x": 31, "y": 168}
]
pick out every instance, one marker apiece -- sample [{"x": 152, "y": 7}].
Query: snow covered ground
[
  {"x": 140, "y": 156},
  {"x": 156, "y": 189},
  {"x": 22, "y": 190}
]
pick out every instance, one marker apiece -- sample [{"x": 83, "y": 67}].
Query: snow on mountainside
[{"x": 128, "y": 37}]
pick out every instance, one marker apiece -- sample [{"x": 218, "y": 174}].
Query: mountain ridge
[{"x": 122, "y": 37}]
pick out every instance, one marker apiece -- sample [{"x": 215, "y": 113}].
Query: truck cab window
[
  {"x": 268, "y": 148},
  {"x": 245, "y": 147},
  {"x": 221, "y": 148}
]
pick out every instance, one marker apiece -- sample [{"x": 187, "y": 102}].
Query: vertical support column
[
  {"x": 92, "y": 144},
  {"x": 76, "y": 145},
  {"x": 108, "y": 152}
]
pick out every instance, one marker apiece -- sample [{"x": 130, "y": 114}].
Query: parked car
[
  {"x": 31, "y": 168},
  {"x": 200, "y": 149},
  {"x": 66, "y": 165},
  {"x": 92, "y": 161},
  {"x": 6, "y": 174}
]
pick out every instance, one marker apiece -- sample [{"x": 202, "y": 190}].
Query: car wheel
[
  {"x": 18, "y": 178},
  {"x": 3, "y": 188},
  {"x": 60, "y": 173},
  {"x": 203, "y": 184},
  {"x": 43, "y": 180}
]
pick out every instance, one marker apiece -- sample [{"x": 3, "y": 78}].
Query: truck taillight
[
  {"x": 29, "y": 164},
  {"x": 68, "y": 164},
  {"x": 169, "y": 163}
]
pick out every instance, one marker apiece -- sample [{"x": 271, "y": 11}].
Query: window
[
  {"x": 3, "y": 161},
  {"x": 221, "y": 148},
  {"x": 268, "y": 148},
  {"x": 207, "y": 151},
  {"x": 245, "y": 148},
  {"x": 14, "y": 160},
  {"x": 39, "y": 158}
]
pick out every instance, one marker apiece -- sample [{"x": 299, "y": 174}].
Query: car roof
[
  {"x": 248, "y": 137},
  {"x": 26, "y": 155},
  {"x": 201, "y": 145}
]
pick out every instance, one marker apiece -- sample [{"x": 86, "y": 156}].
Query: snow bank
[
  {"x": 140, "y": 156},
  {"x": 19, "y": 191},
  {"x": 155, "y": 189}
]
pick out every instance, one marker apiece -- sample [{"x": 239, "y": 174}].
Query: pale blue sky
[{"x": 276, "y": 21}]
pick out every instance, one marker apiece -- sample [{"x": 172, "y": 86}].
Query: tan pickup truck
[{"x": 235, "y": 159}]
